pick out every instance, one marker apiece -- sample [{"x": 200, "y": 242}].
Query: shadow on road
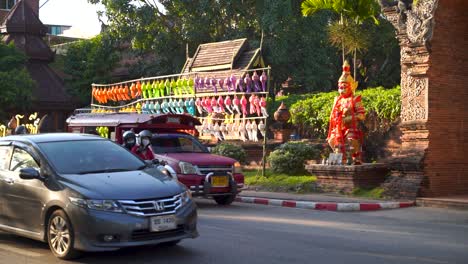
[
  {"x": 21, "y": 242},
  {"x": 146, "y": 254}
]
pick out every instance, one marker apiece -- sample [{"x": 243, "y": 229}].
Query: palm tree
[{"x": 346, "y": 33}]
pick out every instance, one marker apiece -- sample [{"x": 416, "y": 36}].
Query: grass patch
[
  {"x": 280, "y": 182},
  {"x": 375, "y": 193}
]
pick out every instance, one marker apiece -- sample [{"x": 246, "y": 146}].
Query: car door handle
[{"x": 9, "y": 180}]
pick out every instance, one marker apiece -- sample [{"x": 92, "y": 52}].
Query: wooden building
[{"x": 23, "y": 27}]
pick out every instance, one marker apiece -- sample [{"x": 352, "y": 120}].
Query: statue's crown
[{"x": 346, "y": 76}]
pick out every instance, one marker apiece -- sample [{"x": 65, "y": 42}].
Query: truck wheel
[{"x": 224, "y": 199}]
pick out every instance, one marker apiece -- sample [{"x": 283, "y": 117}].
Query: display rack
[{"x": 194, "y": 93}]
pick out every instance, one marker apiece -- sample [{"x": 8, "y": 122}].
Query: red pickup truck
[{"x": 205, "y": 174}]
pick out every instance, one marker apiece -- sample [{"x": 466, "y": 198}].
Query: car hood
[
  {"x": 128, "y": 185},
  {"x": 198, "y": 158}
]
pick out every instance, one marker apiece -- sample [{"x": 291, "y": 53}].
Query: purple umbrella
[
  {"x": 213, "y": 83},
  {"x": 233, "y": 82},
  {"x": 201, "y": 83},
  {"x": 263, "y": 80},
  {"x": 256, "y": 81},
  {"x": 248, "y": 83},
  {"x": 227, "y": 81},
  {"x": 197, "y": 79},
  {"x": 207, "y": 82},
  {"x": 221, "y": 83},
  {"x": 240, "y": 84}
]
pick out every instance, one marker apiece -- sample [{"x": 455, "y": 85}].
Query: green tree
[
  {"x": 15, "y": 82},
  {"x": 295, "y": 46},
  {"x": 346, "y": 33},
  {"x": 90, "y": 61}
]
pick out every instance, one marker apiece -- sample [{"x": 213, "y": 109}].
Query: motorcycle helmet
[
  {"x": 20, "y": 130},
  {"x": 129, "y": 139}
]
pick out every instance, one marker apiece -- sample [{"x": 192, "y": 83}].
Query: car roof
[{"x": 51, "y": 137}]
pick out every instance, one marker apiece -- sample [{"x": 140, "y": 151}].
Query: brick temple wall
[{"x": 446, "y": 162}]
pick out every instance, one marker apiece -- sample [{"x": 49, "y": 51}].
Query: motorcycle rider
[
  {"x": 144, "y": 150},
  {"x": 129, "y": 140},
  {"x": 21, "y": 130}
]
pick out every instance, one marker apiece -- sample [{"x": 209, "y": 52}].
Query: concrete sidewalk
[{"x": 331, "y": 202}]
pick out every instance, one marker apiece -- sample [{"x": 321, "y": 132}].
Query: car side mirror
[{"x": 30, "y": 174}]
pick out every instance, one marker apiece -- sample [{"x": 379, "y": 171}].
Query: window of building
[{"x": 7, "y": 4}]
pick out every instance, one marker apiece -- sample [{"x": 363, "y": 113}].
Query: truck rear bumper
[{"x": 200, "y": 190}]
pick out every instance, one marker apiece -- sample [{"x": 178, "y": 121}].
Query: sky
[{"x": 79, "y": 14}]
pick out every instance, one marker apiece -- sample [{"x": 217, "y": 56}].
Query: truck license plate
[
  {"x": 219, "y": 181},
  {"x": 162, "y": 223}
]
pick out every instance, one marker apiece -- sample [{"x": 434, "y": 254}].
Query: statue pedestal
[
  {"x": 281, "y": 135},
  {"x": 339, "y": 178}
]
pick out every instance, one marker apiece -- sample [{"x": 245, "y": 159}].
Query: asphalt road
[{"x": 246, "y": 233}]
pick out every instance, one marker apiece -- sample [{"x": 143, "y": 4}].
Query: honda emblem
[{"x": 158, "y": 206}]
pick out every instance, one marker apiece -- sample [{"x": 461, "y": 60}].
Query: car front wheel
[
  {"x": 224, "y": 199},
  {"x": 60, "y": 236}
]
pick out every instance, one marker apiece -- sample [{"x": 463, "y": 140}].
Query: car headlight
[
  {"x": 188, "y": 168},
  {"x": 186, "y": 197},
  {"x": 237, "y": 167},
  {"x": 101, "y": 205}
]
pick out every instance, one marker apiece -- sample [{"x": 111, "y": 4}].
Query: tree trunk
[{"x": 354, "y": 62}]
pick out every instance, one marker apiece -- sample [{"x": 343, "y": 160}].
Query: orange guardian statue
[{"x": 344, "y": 136}]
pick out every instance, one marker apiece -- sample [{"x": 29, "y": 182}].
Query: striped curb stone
[{"x": 328, "y": 206}]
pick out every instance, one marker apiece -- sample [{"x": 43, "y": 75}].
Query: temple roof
[
  {"x": 23, "y": 27},
  {"x": 22, "y": 19},
  {"x": 219, "y": 59},
  {"x": 50, "y": 87}
]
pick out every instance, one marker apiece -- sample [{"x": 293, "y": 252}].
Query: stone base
[
  {"x": 343, "y": 179},
  {"x": 281, "y": 135}
]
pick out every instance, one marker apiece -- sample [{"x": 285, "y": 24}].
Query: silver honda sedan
[{"x": 85, "y": 193}]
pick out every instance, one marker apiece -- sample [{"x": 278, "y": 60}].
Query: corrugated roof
[
  {"x": 221, "y": 54},
  {"x": 185, "y": 69},
  {"x": 222, "y": 59}
]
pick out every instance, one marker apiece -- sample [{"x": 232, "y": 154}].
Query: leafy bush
[
  {"x": 302, "y": 150},
  {"x": 280, "y": 182},
  {"x": 289, "y": 158},
  {"x": 311, "y": 116},
  {"x": 288, "y": 100},
  {"x": 229, "y": 150}
]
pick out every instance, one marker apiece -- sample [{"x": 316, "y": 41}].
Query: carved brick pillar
[{"x": 414, "y": 30}]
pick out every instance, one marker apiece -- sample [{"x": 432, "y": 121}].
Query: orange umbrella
[
  {"x": 133, "y": 90},
  {"x": 138, "y": 86},
  {"x": 126, "y": 91}
]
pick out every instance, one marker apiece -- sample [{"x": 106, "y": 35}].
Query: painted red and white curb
[{"x": 328, "y": 206}]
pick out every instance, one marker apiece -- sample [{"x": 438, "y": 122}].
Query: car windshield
[
  {"x": 177, "y": 144},
  {"x": 89, "y": 156}
]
